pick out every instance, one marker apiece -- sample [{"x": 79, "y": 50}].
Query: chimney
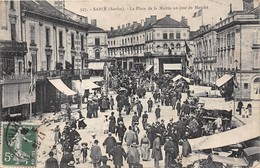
[
  {"x": 184, "y": 20},
  {"x": 111, "y": 29},
  {"x": 128, "y": 24},
  {"x": 153, "y": 18},
  {"x": 118, "y": 27},
  {"x": 248, "y": 5},
  {"x": 142, "y": 22},
  {"x": 230, "y": 8},
  {"x": 168, "y": 16},
  {"x": 123, "y": 26},
  {"x": 94, "y": 22},
  {"x": 135, "y": 24},
  {"x": 147, "y": 21}
]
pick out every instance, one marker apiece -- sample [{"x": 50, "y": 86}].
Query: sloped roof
[
  {"x": 44, "y": 8},
  {"x": 255, "y": 11},
  {"x": 165, "y": 22}
]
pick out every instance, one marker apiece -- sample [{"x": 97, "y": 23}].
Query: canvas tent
[{"x": 226, "y": 138}]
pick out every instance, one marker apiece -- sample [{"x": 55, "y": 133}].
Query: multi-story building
[
  {"x": 157, "y": 44},
  {"x": 96, "y": 43},
  {"x": 14, "y": 83},
  {"x": 57, "y": 47},
  {"x": 231, "y": 47},
  {"x": 205, "y": 54},
  {"x": 238, "y": 48}
]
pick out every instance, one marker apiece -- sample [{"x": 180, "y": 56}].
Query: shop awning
[
  {"x": 172, "y": 66},
  {"x": 96, "y": 65},
  {"x": 245, "y": 132},
  {"x": 62, "y": 87},
  {"x": 224, "y": 79},
  {"x": 96, "y": 78},
  {"x": 176, "y": 78},
  {"x": 85, "y": 85},
  {"x": 148, "y": 67}
]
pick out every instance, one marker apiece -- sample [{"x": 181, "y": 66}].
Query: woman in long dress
[
  {"x": 57, "y": 134},
  {"x": 112, "y": 123},
  {"x": 145, "y": 147},
  {"x": 81, "y": 123}
]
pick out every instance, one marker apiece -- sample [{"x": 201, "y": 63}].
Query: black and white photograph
[{"x": 130, "y": 83}]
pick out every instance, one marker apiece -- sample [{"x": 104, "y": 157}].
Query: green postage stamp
[{"x": 19, "y": 144}]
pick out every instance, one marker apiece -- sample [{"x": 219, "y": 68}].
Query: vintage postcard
[{"x": 129, "y": 83}]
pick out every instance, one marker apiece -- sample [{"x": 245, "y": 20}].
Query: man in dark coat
[
  {"x": 90, "y": 109},
  {"x": 158, "y": 113},
  {"x": 139, "y": 109},
  {"x": 74, "y": 137},
  {"x": 120, "y": 106},
  {"x": 239, "y": 106},
  {"x": 66, "y": 158},
  {"x": 118, "y": 154},
  {"x": 51, "y": 162},
  {"x": 112, "y": 123},
  {"x": 169, "y": 149},
  {"x": 120, "y": 131},
  {"x": 135, "y": 119},
  {"x": 150, "y": 105},
  {"x": 109, "y": 143},
  {"x": 156, "y": 151}
]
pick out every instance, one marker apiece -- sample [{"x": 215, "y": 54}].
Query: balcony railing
[
  {"x": 58, "y": 73},
  {"x": 13, "y": 47}
]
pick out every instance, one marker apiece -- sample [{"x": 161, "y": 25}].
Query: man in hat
[
  {"x": 156, "y": 151},
  {"x": 95, "y": 154},
  {"x": 109, "y": 144},
  {"x": 118, "y": 154},
  {"x": 51, "y": 162},
  {"x": 135, "y": 119},
  {"x": 150, "y": 105},
  {"x": 74, "y": 137},
  {"x": 130, "y": 136},
  {"x": 120, "y": 131},
  {"x": 71, "y": 164},
  {"x": 186, "y": 148},
  {"x": 91, "y": 142},
  {"x": 170, "y": 125},
  {"x": 111, "y": 103},
  {"x": 145, "y": 119},
  {"x": 133, "y": 156},
  {"x": 169, "y": 149},
  {"x": 139, "y": 108},
  {"x": 158, "y": 112}
]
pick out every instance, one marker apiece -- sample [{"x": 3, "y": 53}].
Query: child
[
  {"x": 77, "y": 151},
  {"x": 84, "y": 151}
]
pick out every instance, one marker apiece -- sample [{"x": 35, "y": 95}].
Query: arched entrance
[{"x": 255, "y": 90}]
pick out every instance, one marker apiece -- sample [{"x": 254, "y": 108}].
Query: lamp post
[{"x": 235, "y": 73}]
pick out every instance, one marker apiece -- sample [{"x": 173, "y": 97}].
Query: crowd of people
[{"x": 159, "y": 136}]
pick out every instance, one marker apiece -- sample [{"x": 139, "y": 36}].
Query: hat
[
  {"x": 134, "y": 144},
  {"x": 120, "y": 122},
  {"x": 157, "y": 134},
  {"x": 171, "y": 119},
  {"x": 109, "y": 133},
  {"x": 93, "y": 134},
  {"x": 118, "y": 142},
  {"x": 71, "y": 163}
]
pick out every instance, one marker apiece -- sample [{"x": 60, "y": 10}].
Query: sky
[{"x": 112, "y": 13}]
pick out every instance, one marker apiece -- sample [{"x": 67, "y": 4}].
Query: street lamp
[{"x": 235, "y": 73}]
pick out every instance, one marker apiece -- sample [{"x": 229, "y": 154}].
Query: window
[
  {"x": 245, "y": 85},
  {"x": 82, "y": 42},
  {"x": 13, "y": 32},
  {"x": 97, "y": 41},
  {"x": 72, "y": 41},
  {"x": 97, "y": 54},
  {"x": 178, "y": 35},
  {"x": 47, "y": 36},
  {"x": 165, "y": 36},
  {"x": 61, "y": 39},
  {"x": 165, "y": 46},
  {"x": 178, "y": 46},
  {"x": 171, "y": 36},
  {"x": 12, "y": 4},
  {"x": 256, "y": 60},
  {"x": 32, "y": 32}
]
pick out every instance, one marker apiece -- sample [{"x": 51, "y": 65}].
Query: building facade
[
  {"x": 205, "y": 54},
  {"x": 14, "y": 82},
  {"x": 157, "y": 44},
  {"x": 57, "y": 48},
  {"x": 236, "y": 52}
]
